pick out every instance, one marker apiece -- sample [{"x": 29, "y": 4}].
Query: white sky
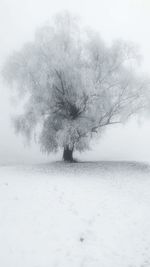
[{"x": 125, "y": 19}]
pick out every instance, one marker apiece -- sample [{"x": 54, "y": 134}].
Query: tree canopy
[{"x": 74, "y": 85}]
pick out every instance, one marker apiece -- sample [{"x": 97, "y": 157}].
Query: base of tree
[
  {"x": 68, "y": 155},
  {"x": 71, "y": 161}
]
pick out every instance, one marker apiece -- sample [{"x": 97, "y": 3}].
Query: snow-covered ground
[{"x": 75, "y": 215}]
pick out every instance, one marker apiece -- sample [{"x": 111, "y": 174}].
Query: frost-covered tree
[{"x": 73, "y": 85}]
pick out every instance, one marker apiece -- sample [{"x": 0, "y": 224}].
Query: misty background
[{"x": 114, "y": 19}]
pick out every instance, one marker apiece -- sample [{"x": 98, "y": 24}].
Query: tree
[{"x": 74, "y": 85}]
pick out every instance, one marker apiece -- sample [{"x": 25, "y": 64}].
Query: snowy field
[{"x": 75, "y": 215}]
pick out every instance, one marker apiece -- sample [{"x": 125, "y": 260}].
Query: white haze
[{"x": 128, "y": 20}]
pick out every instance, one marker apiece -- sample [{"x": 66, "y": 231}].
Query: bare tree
[{"x": 74, "y": 84}]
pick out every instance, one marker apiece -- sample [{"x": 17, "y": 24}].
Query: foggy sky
[{"x": 128, "y": 20}]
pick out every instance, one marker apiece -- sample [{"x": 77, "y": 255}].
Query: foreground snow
[{"x": 72, "y": 215}]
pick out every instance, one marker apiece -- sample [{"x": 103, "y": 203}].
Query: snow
[{"x": 71, "y": 215}]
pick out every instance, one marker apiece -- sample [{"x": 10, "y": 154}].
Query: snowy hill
[{"x": 71, "y": 215}]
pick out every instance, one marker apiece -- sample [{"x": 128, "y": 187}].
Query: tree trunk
[{"x": 68, "y": 154}]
